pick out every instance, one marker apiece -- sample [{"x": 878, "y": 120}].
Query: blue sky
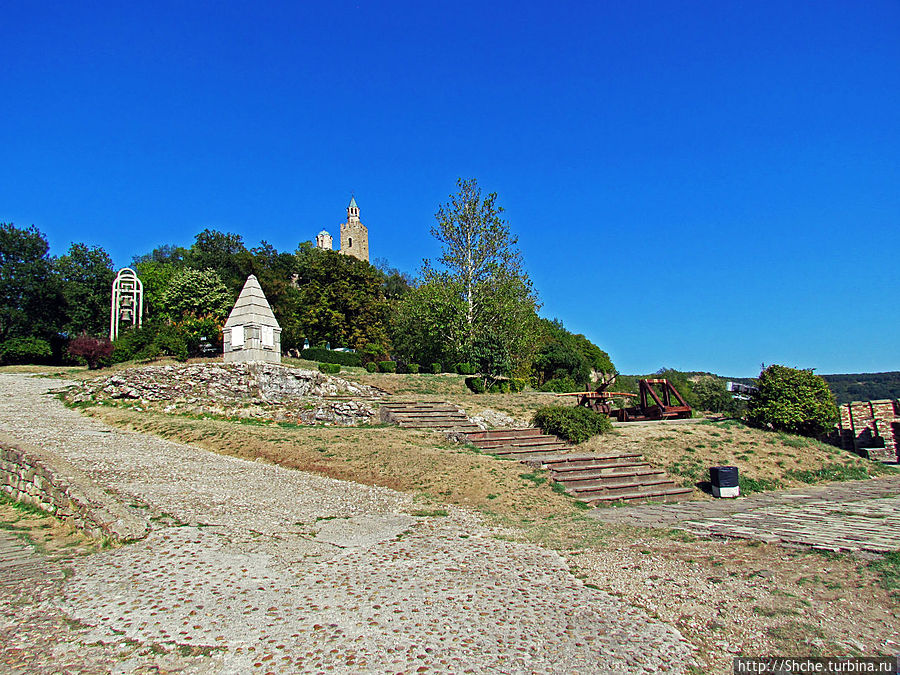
[{"x": 697, "y": 185}]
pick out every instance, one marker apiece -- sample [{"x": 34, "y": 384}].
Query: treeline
[
  {"x": 473, "y": 307},
  {"x": 864, "y": 386}
]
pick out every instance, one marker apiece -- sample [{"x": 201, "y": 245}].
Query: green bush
[
  {"x": 437, "y": 368},
  {"x": 796, "y": 401},
  {"x": 518, "y": 384},
  {"x": 412, "y": 368},
  {"x": 371, "y": 366},
  {"x": 323, "y": 355},
  {"x": 573, "y": 424},
  {"x": 25, "y": 350},
  {"x": 476, "y": 385},
  {"x": 465, "y": 369},
  {"x": 387, "y": 366},
  {"x": 500, "y": 387},
  {"x": 329, "y": 368}
]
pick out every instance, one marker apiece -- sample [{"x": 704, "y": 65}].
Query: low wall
[{"x": 39, "y": 477}]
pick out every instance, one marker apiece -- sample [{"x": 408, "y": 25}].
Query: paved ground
[
  {"x": 849, "y": 516},
  {"x": 255, "y": 568}
]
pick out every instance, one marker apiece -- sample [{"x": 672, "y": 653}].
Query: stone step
[
  {"x": 666, "y": 495},
  {"x": 518, "y": 442},
  {"x": 440, "y": 426},
  {"x": 626, "y": 480},
  {"x": 418, "y": 407},
  {"x": 434, "y": 418},
  {"x": 517, "y": 450},
  {"x": 579, "y": 478},
  {"x": 574, "y": 461},
  {"x": 565, "y": 470},
  {"x": 631, "y": 484},
  {"x": 504, "y": 434}
]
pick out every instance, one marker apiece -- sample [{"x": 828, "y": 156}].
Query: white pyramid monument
[{"x": 251, "y": 332}]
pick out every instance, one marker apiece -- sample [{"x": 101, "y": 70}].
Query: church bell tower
[{"x": 354, "y": 235}]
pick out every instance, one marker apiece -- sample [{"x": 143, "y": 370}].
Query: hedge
[
  {"x": 412, "y": 368},
  {"x": 329, "y": 368},
  {"x": 573, "y": 424},
  {"x": 387, "y": 366},
  {"x": 437, "y": 368},
  {"x": 371, "y": 366},
  {"x": 328, "y": 356},
  {"x": 25, "y": 350},
  {"x": 465, "y": 369}
]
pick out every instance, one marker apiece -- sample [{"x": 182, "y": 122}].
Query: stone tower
[
  {"x": 323, "y": 240},
  {"x": 354, "y": 235},
  {"x": 251, "y": 332}
]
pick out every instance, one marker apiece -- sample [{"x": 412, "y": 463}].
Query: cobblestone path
[
  {"x": 255, "y": 568},
  {"x": 848, "y": 516}
]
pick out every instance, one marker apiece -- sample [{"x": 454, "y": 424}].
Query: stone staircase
[
  {"x": 609, "y": 478},
  {"x": 437, "y": 415},
  {"x": 586, "y": 477}
]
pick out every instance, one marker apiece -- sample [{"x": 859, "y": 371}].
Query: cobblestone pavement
[
  {"x": 848, "y": 516},
  {"x": 255, "y": 568}
]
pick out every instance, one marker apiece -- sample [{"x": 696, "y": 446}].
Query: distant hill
[
  {"x": 846, "y": 387},
  {"x": 864, "y": 386}
]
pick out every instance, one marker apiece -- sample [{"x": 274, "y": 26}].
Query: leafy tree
[
  {"x": 796, "y": 401},
  {"x": 87, "y": 276},
  {"x": 196, "y": 293},
  {"x": 31, "y": 301},
  {"x": 223, "y": 252},
  {"x": 488, "y": 314},
  {"x": 339, "y": 300},
  {"x": 565, "y": 361},
  {"x": 710, "y": 394}
]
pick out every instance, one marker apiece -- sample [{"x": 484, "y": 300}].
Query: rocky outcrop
[{"x": 238, "y": 390}]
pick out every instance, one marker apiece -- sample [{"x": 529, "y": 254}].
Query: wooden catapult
[{"x": 657, "y": 400}]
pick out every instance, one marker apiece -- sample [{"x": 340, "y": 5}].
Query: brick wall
[
  {"x": 871, "y": 428},
  {"x": 36, "y": 476}
]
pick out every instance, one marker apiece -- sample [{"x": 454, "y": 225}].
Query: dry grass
[
  {"x": 417, "y": 462},
  {"x": 48, "y": 535},
  {"x": 687, "y": 451}
]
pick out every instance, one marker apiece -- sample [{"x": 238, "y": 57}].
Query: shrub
[
  {"x": 371, "y": 366},
  {"x": 25, "y": 350},
  {"x": 499, "y": 387},
  {"x": 329, "y": 368},
  {"x": 476, "y": 385},
  {"x": 465, "y": 369},
  {"x": 387, "y": 366},
  {"x": 323, "y": 355},
  {"x": 796, "y": 401},
  {"x": 91, "y": 349},
  {"x": 517, "y": 384},
  {"x": 575, "y": 424},
  {"x": 437, "y": 368},
  {"x": 412, "y": 368}
]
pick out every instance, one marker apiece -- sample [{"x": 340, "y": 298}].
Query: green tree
[
  {"x": 31, "y": 301},
  {"x": 223, "y": 252},
  {"x": 196, "y": 293},
  {"x": 339, "y": 300},
  {"x": 87, "y": 276},
  {"x": 710, "y": 394},
  {"x": 796, "y": 401},
  {"x": 489, "y": 309},
  {"x": 564, "y": 358}
]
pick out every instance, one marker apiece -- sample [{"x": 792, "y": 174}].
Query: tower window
[{"x": 349, "y": 242}]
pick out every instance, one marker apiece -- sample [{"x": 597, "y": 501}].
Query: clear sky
[{"x": 697, "y": 185}]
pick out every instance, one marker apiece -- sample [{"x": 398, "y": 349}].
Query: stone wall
[
  {"x": 870, "y": 428},
  {"x": 39, "y": 477}
]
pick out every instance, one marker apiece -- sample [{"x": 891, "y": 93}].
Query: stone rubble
[{"x": 238, "y": 390}]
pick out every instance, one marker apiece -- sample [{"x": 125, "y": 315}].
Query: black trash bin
[{"x": 724, "y": 481}]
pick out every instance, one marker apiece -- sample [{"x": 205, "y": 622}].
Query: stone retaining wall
[{"x": 39, "y": 477}]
